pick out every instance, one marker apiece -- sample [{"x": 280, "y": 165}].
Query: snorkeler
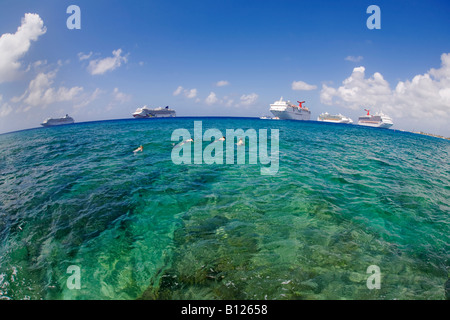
[
  {"x": 220, "y": 139},
  {"x": 240, "y": 142},
  {"x": 181, "y": 143},
  {"x": 141, "y": 148}
]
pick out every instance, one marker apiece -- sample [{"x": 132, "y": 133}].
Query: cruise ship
[
  {"x": 336, "y": 118},
  {"x": 160, "y": 112},
  {"x": 50, "y": 122},
  {"x": 285, "y": 110},
  {"x": 379, "y": 120}
]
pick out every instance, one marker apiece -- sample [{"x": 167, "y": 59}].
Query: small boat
[{"x": 51, "y": 122}]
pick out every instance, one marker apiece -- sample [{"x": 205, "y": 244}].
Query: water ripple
[{"x": 345, "y": 197}]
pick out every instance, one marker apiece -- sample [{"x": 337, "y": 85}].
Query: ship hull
[
  {"x": 154, "y": 115},
  {"x": 337, "y": 120},
  {"x": 55, "y": 125},
  {"x": 376, "y": 125},
  {"x": 334, "y": 121}
]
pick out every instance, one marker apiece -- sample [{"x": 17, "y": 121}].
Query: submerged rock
[{"x": 447, "y": 290}]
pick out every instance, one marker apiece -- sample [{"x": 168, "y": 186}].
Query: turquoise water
[{"x": 140, "y": 227}]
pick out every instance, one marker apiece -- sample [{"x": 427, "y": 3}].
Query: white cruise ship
[
  {"x": 336, "y": 118},
  {"x": 378, "y": 120},
  {"x": 50, "y": 122},
  {"x": 160, "y": 112},
  {"x": 285, "y": 110}
]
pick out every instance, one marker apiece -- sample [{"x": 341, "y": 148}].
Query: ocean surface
[{"x": 138, "y": 226}]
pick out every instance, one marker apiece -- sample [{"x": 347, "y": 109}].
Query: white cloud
[
  {"x": 425, "y": 97},
  {"x": 120, "y": 96},
  {"x": 39, "y": 63},
  {"x": 300, "y": 85},
  {"x": 100, "y": 66},
  {"x": 86, "y": 100},
  {"x": 211, "y": 99},
  {"x": 40, "y": 92},
  {"x": 5, "y": 108},
  {"x": 353, "y": 58},
  {"x": 357, "y": 91},
  {"x": 83, "y": 56},
  {"x": 222, "y": 83},
  {"x": 248, "y": 99},
  {"x": 178, "y": 91},
  {"x": 228, "y": 102},
  {"x": 192, "y": 93},
  {"x": 14, "y": 46}
]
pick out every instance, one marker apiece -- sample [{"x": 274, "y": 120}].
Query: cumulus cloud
[
  {"x": 188, "y": 93},
  {"x": 178, "y": 91},
  {"x": 41, "y": 93},
  {"x": 88, "y": 99},
  {"x": 248, "y": 99},
  {"x": 302, "y": 86},
  {"x": 426, "y": 96},
  {"x": 100, "y": 66},
  {"x": 5, "y": 108},
  {"x": 211, "y": 99},
  {"x": 192, "y": 93},
  {"x": 120, "y": 96},
  {"x": 227, "y": 101},
  {"x": 222, "y": 83},
  {"x": 358, "y": 91},
  {"x": 353, "y": 58},
  {"x": 82, "y": 56},
  {"x": 15, "y": 46}
]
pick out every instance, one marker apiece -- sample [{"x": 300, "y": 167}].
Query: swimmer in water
[
  {"x": 240, "y": 142},
  {"x": 220, "y": 139},
  {"x": 181, "y": 143},
  {"x": 141, "y": 148}
]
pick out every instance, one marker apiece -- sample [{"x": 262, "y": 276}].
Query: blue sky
[{"x": 225, "y": 58}]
